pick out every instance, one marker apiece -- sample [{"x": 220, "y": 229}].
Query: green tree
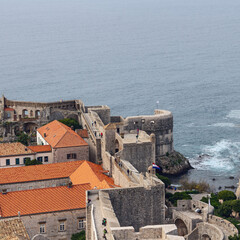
[
  {"x": 236, "y": 205},
  {"x": 164, "y": 179},
  {"x": 30, "y": 162},
  {"x": 225, "y": 209},
  {"x": 79, "y": 236},
  {"x": 70, "y": 122},
  {"x": 23, "y": 138},
  {"x": 226, "y": 195},
  {"x": 213, "y": 200},
  {"x": 179, "y": 196}
]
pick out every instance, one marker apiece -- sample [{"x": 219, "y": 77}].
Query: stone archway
[
  {"x": 205, "y": 237},
  {"x": 39, "y": 237},
  {"x": 181, "y": 227},
  {"x": 29, "y": 127},
  {"x": 37, "y": 114},
  {"x": 73, "y": 116},
  {"x": 24, "y": 113}
]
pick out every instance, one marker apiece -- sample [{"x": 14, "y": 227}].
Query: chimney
[
  {"x": 19, "y": 215},
  {"x": 69, "y": 184},
  {"x": 4, "y": 191}
]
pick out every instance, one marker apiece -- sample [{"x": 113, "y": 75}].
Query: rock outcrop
[{"x": 174, "y": 164}]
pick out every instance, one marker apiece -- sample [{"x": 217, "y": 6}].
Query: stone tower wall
[{"x": 161, "y": 124}]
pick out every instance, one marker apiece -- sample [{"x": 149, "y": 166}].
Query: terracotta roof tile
[
  {"x": 38, "y": 172},
  {"x": 40, "y": 148},
  {"x": 9, "y": 109},
  {"x": 43, "y": 200},
  {"x": 92, "y": 173},
  {"x": 59, "y": 135},
  {"x": 13, "y": 149},
  {"x": 82, "y": 133}
]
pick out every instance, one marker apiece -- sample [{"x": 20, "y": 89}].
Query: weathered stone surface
[{"x": 174, "y": 164}]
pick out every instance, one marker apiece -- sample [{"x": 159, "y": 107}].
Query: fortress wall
[
  {"x": 102, "y": 111},
  {"x": 229, "y": 227},
  {"x": 161, "y": 124},
  {"x": 139, "y": 206},
  {"x": 210, "y": 230},
  {"x": 138, "y": 154}
]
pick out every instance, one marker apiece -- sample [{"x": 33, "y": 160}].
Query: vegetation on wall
[
  {"x": 164, "y": 179},
  {"x": 30, "y": 162},
  {"x": 178, "y": 196},
  {"x": 70, "y": 122},
  {"x": 23, "y": 138},
  {"x": 79, "y": 236}
]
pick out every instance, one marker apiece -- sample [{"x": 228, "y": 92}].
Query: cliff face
[{"x": 174, "y": 164}]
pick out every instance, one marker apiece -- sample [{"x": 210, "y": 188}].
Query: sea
[{"x": 135, "y": 56}]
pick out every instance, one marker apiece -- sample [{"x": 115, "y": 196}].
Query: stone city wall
[
  {"x": 139, "y": 206},
  {"x": 102, "y": 111},
  {"x": 208, "y": 230},
  {"x": 229, "y": 227}
]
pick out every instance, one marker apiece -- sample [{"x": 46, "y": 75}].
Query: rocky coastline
[{"x": 174, "y": 164}]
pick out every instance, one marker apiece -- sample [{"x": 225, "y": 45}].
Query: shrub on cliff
[
  {"x": 70, "y": 122},
  {"x": 226, "y": 195},
  {"x": 164, "y": 179}
]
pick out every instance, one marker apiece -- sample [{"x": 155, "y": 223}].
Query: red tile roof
[
  {"x": 43, "y": 200},
  {"x": 59, "y": 135},
  {"x": 40, "y": 148},
  {"x": 82, "y": 133},
  {"x": 14, "y": 149},
  {"x": 9, "y": 109},
  {"x": 38, "y": 172},
  {"x": 92, "y": 173}
]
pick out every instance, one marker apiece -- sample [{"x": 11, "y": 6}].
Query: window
[
  {"x": 39, "y": 159},
  {"x": 62, "y": 226},
  {"x": 7, "y": 162},
  {"x": 17, "y": 161},
  {"x": 80, "y": 223},
  {"x": 46, "y": 159},
  {"x": 72, "y": 156},
  {"x": 42, "y": 228}
]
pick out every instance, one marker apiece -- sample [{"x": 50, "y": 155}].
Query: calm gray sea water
[{"x": 129, "y": 54}]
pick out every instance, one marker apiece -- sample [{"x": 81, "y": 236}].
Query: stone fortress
[{"x": 126, "y": 148}]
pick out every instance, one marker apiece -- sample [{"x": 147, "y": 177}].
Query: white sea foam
[
  {"x": 234, "y": 114},
  {"x": 224, "y": 124},
  {"x": 223, "y": 156}
]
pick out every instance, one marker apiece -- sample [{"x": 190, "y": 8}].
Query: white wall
[
  {"x": 13, "y": 160},
  {"x": 41, "y": 140}
]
